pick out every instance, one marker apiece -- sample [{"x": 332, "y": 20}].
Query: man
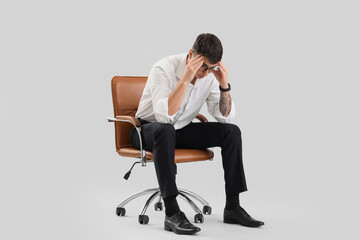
[{"x": 175, "y": 91}]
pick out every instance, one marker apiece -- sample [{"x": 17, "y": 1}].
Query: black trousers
[{"x": 162, "y": 139}]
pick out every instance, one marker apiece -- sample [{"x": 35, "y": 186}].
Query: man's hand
[
  {"x": 176, "y": 97},
  {"x": 225, "y": 98},
  {"x": 193, "y": 65},
  {"x": 221, "y": 75}
]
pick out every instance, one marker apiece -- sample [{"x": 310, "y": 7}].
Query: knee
[
  {"x": 165, "y": 130},
  {"x": 232, "y": 130}
]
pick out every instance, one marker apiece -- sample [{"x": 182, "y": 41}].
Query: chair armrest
[
  {"x": 136, "y": 123},
  {"x": 201, "y": 117},
  {"x": 133, "y": 120}
]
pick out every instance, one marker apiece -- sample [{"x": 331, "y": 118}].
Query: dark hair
[{"x": 209, "y": 46}]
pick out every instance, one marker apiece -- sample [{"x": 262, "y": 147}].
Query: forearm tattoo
[{"x": 225, "y": 103}]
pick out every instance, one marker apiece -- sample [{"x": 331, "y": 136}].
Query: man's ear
[{"x": 191, "y": 53}]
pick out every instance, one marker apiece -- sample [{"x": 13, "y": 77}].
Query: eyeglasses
[{"x": 205, "y": 67}]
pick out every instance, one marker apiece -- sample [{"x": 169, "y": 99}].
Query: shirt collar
[{"x": 181, "y": 69}]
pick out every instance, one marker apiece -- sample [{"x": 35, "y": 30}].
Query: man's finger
[
  {"x": 197, "y": 59},
  {"x": 198, "y": 65},
  {"x": 221, "y": 68},
  {"x": 221, "y": 64}
]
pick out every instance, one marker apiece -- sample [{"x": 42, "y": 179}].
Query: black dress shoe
[
  {"x": 179, "y": 224},
  {"x": 240, "y": 216}
]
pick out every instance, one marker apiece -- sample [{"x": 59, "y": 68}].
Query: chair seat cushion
[{"x": 181, "y": 155}]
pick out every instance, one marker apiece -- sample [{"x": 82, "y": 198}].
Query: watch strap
[{"x": 225, "y": 89}]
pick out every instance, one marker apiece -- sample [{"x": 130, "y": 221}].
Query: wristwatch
[{"x": 225, "y": 89}]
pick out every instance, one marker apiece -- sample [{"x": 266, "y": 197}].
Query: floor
[{"x": 282, "y": 221}]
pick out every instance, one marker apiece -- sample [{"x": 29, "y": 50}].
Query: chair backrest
[{"x": 126, "y": 94}]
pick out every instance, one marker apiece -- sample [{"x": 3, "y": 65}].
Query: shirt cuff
[
  {"x": 220, "y": 118},
  {"x": 161, "y": 110}
]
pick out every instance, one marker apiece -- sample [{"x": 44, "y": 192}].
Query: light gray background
[{"x": 294, "y": 70}]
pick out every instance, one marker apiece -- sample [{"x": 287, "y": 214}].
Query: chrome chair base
[{"x": 155, "y": 193}]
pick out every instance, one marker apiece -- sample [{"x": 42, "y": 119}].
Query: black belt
[{"x": 143, "y": 121}]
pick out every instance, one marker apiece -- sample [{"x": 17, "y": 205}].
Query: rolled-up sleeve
[
  {"x": 160, "y": 91},
  {"x": 212, "y": 102}
]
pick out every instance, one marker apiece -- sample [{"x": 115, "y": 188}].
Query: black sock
[
  {"x": 232, "y": 201},
  {"x": 171, "y": 206}
]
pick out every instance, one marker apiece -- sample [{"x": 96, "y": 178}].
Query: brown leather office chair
[{"x": 126, "y": 94}]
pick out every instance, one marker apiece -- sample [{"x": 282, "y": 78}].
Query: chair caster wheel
[
  {"x": 158, "y": 206},
  {"x": 143, "y": 219},
  {"x": 199, "y": 218},
  {"x": 207, "y": 210},
  {"x": 120, "y": 211}
]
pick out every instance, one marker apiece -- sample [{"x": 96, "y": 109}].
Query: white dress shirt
[{"x": 162, "y": 80}]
